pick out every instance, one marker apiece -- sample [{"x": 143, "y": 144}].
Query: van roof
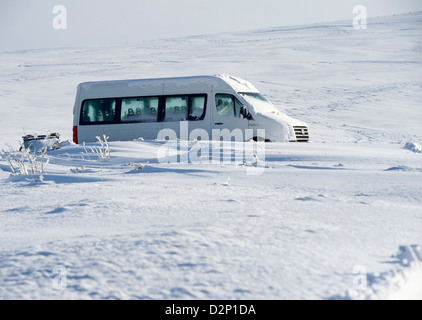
[{"x": 239, "y": 85}]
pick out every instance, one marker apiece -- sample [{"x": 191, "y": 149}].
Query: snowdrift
[{"x": 318, "y": 220}]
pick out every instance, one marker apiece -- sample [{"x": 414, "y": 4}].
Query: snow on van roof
[
  {"x": 235, "y": 82},
  {"x": 239, "y": 85}
]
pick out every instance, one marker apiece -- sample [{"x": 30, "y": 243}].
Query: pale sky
[{"x": 28, "y": 24}]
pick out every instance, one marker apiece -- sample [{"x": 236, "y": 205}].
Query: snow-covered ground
[{"x": 339, "y": 217}]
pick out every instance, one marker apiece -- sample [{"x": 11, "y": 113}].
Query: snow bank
[
  {"x": 414, "y": 147},
  {"x": 409, "y": 284},
  {"x": 402, "y": 283}
]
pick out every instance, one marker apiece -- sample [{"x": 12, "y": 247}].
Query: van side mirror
[{"x": 245, "y": 113}]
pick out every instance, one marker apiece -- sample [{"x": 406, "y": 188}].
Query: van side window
[
  {"x": 176, "y": 108},
  {"x": 228, "y": 105},
  {"x": 98, "y": 110},
  {"x": 197, "y": 108},
  {"x": 139, "y": 109}
]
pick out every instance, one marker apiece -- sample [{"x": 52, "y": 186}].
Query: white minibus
[{"x": 187, "y": 108}]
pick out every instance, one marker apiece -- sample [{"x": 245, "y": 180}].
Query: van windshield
[{"x": 258, "y": 102}]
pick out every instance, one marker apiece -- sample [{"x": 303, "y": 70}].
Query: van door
[{"x": 228, "y": 114}]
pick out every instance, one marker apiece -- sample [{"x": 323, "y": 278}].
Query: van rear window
[{"x": 98, "y": 111}]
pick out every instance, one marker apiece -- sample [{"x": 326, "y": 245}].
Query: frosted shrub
[
  {"x": 105, "y": 148},
  {"x": 25, "y": 161},
  {"x": 103, "y": 152},
  {"x": 137, "y": 166}
]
